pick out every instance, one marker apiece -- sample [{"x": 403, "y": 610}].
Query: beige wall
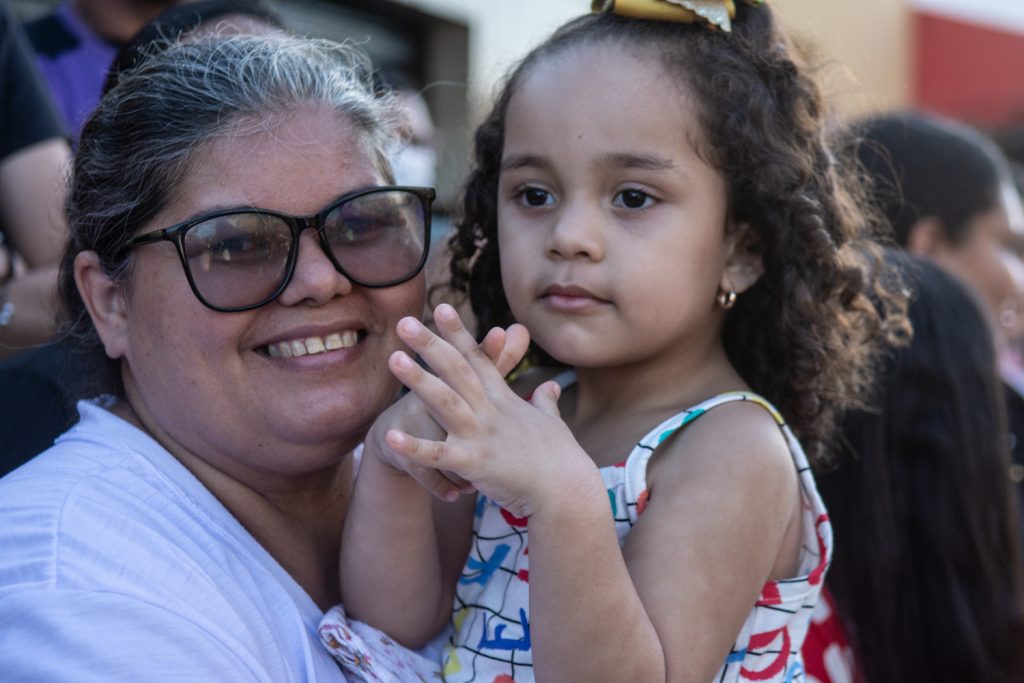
[
  {"x": 866, "y": 45},
  {"x": 500, "y": 33}
]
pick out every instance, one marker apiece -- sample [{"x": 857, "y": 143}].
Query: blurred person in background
[
  {"x": 193, "y": 19},
  {"x": 926, "y": 581},
  {"x": 75, "y": 44},
  {"x": 33, "y": 162},
  {"x": 950, "y": 195}
]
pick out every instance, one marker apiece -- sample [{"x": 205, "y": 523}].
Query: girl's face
[{"x": 611, "y": 228}]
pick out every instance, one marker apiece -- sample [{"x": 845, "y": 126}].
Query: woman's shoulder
[{"x": 102, "y": 500}]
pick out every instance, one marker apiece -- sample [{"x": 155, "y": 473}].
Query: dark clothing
[
  {"x": 1015, "y": 422},
  {"x": 32, "y": 410},
  {"x": 34, "y": 407},
  {"x": 26, "y": 112},
  {"x": 74, "y": 61}
]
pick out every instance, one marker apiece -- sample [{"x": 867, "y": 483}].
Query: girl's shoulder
[{"x": 732, "y": 440}]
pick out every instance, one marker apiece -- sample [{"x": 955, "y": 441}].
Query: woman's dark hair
[
  {"x": 921, "y": 165},
  {"x": 803, "y": 335},
  {"x": 143, "y": 137},
  {"x": 179, "y": 20},
  {"x": 927, "y": 567}
]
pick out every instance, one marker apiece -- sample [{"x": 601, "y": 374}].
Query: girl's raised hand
[
  {"x": 514, "y": 451},
  {"x": 503, "y": 348}
]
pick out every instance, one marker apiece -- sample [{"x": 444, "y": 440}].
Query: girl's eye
[
  {"x": 534, "y": 197},
  {"x": 633, "y": 199}
]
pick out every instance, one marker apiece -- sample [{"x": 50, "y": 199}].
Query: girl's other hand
[{"x": 514, "y": 451}]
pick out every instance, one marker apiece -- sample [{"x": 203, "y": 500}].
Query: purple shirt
[{"x": 76, "y": 73}]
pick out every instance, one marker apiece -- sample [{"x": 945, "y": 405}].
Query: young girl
[{"x": 653, "y": 201}]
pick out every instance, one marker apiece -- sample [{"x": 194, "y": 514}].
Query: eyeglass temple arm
[{"x": 155, "y": 236}]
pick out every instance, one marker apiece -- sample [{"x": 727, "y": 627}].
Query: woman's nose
[
  {"x": 578, "y": 232},
  {"x": 315, "y": 279}
]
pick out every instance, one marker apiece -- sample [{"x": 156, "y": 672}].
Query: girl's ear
[
  {"x": 105, "y": 300},
  {"x": 743, "y": 265}
]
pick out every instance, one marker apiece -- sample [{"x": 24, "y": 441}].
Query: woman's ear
[
  {"x": 927, "y": 237},
  {"x": 104, "y": 298},
  {"x": 743, "y": 265}
]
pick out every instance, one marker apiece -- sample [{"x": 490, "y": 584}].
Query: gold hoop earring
[{"x": 727, "y": 299}]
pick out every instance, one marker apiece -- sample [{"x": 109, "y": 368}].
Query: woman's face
[
  {"x": 984, "y": 260},
  {"x": 205, "y": 381}
]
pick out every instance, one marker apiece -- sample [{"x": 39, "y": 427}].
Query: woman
[
  {"x": 949, "y": 194},
  {"x": 187, "y": 528},
  {"x": 927, "y": 573}
]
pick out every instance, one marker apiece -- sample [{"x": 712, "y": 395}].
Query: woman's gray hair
[{"x": 142, "y": 139}]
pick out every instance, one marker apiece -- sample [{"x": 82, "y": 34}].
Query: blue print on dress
[
  {"x": 499, "y": 643},
  {"x": 487, "y": 568}
]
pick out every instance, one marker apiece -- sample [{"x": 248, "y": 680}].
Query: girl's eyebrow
[
  {"x": 516, "y": 161},
  {"x": 614, "y": 159},
  {"x": 641, "y": 161}
]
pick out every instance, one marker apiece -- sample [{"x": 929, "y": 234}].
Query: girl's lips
[{"x": 571, "y": 298}]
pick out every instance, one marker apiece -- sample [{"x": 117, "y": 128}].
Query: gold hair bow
[{"x": 718, "y": 13}]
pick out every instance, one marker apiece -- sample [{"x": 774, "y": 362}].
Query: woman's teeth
[{"x": 313, "y": 345}]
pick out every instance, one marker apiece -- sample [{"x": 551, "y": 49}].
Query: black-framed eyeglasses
[{"x": 240, "y": 259}]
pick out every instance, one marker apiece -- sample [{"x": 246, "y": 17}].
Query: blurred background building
[{"x": 963, "y": 58}]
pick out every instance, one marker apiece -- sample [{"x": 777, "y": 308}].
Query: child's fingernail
[
  {"x": 409, "y": 325},
  {"x": 445, "y": 312},
  {"x": 451, "y": 496},
  {"x": 402, "y": 360}
]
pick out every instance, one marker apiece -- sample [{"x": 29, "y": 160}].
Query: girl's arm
[
  {"x": 398, "y": 565},
  {"x": 667, "y": 606},
  {"x": 402, "y": 547},
  {"x": 723, "y": 519}
]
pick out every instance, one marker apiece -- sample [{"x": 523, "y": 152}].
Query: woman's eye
[
  {"x": 633, "y": 199},
  {"x": 534, "y": 196}
]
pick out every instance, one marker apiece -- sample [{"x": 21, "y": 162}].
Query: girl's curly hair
[{"x": 805, "y": 334}]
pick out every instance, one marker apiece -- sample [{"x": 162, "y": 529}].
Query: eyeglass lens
[{"x": 241, "y": 259}]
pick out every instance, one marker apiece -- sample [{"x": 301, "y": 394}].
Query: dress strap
[{"x": 636, "y": 464}]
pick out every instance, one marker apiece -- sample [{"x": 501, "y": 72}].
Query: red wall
[{"x": 968, "y": 71}]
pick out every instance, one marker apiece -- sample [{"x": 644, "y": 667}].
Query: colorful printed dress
[
  {"x": 491, "y": 643},
  {"x": 491, "y": 639}
]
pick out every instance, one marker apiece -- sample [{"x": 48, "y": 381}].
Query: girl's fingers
[
  {"x": 458, "y": 482},
  {"x": 455, "y": 333},
  {"x": 450, "y": 364},
  {"x": 448, "y": 408},
  {"x": 493, "y": 344},
  {"x": 545, "y": 398},
  {"x": 506, "y": 348},
  {"x": 437, "y": 484},
  {"x": 425, "y": 452}
]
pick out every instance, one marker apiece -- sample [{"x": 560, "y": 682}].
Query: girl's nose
[
  {"x": 315, "y": 279},
  {"x": 578, "y": 232}
]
